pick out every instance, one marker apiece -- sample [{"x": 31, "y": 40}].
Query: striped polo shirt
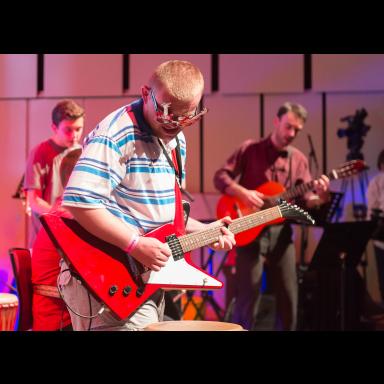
[{"x": 123, "y": 169}]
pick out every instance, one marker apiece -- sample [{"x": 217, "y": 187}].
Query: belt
[{"x": 46, "y": 290}]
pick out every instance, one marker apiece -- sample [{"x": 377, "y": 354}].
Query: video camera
[{"x": 354, "y": 132}]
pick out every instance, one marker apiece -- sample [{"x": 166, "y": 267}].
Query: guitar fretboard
[
  {"x": 208, "y": 236},
  {"x": 301, "y": 189}
]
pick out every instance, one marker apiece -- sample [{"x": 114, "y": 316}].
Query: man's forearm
[
  {"x": 39, "y": 206},
  {"x": 103, "y": 225},
  {"x": 234, "y": 189},
  {"x": 194, "y": 225}
]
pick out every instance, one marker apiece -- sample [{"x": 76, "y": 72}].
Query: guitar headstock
[
  {"x": 293, "y": 212},
  {"x": 349, "y": 168}
]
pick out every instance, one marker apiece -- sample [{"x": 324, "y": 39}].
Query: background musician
[{"x": 255, "y": 163}]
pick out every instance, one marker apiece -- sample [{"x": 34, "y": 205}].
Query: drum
[
  {"x": 193, "y": 325},
  {"x": 9, "y": 304}
]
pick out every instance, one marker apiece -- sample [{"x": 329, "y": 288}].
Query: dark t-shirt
[{"x": 258, "y": 162}]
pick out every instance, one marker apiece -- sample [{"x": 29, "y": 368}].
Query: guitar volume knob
[
  {"x": 112, "y": 290},
  {"x": 127, "y": 290}
]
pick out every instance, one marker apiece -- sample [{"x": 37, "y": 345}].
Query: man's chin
[{"x": 169, "y": 134}]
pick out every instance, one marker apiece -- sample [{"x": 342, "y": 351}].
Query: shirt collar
[{"x": 147, "y": 131}]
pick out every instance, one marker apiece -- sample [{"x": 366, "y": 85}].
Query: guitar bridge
[{"x": 175, "y": 246}]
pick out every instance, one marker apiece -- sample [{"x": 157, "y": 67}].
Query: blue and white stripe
[{"x": 123, "y": 169}]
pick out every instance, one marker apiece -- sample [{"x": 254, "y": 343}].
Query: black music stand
[
  {"x": 323, "y": 215},
  {"x": 350, "y": 238},
  {"x": 335, "y": 287}
]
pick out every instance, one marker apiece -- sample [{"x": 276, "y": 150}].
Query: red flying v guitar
[
  {"x": 234, "y": 207},
  {"x": 121, "y": 282}
]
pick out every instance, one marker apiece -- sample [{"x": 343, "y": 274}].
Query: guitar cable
[{"x": 90, "y": 316}]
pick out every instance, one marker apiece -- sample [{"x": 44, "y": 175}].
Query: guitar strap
[
  {"x": 176, "y": 164},
  {"x": 289, "y": 177}
]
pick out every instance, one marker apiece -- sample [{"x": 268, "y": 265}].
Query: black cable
[
  {"x": 72, "y": 310},
  {"x": 90, "y": 311}
]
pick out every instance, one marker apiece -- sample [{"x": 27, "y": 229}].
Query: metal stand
[
  {"x": 303, "y": 266},
  {"x": 342, "y": 257},
  {"x": 359, "y": 209},
  {"x": 207, "y": 296},
  {"x": 301, "y": 270}
]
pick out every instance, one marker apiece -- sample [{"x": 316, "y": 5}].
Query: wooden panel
[
  {"x": 18, "y": 75},
  {"x": 13, "y": 151},
  {"x": 342, "y": 105},
  {"x": 83, "y": 75},
  {"x": 230, "y": 121},
  {"x": 313, "y": 126},
  {"x": 348, "y": 72},
  {"x": 40, "y": 120},
  {"x": 97, "y": 109},
  {"x": 203, "y": 208},
  {"x": 259, "y": 73},
  {"x": 192, "y": 168},
  {"x": 142, "y": 66}
]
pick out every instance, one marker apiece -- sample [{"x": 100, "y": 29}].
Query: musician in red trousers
[
  {"x": 255, "y": 163},
  {"x": 48, "y": 309}
]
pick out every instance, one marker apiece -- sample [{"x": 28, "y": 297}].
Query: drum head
[
  {"x": 8, "y": 299},
  {"x": 193, "y": 325}
]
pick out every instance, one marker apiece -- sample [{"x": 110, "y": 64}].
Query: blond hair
[{"x": 182, "y": 79}]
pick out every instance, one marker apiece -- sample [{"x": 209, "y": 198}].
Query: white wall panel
[
  {"x": 18, "y": 75},
  {"x": 97, "y": 109},
  {"x": 13, "y": 152},
  {"x": 83, "y": 75},
  {"x": 142, "y": 66},
  {"x": 348, "y": 72},
  {"x": 257, "y": 73},
  {"x": 342, "y": 105},
  {"x": 192, "y": 168},
  {"x": 230, "y": 121}
]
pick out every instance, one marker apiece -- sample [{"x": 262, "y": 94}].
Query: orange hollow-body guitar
[{"x": 235, "y": 208}]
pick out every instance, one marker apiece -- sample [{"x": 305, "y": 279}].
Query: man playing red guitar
[
  {"x": 127, "y": 183},
  {"x": 256, "y": 163}
]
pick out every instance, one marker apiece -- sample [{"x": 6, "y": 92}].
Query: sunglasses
[{"x": 164, "y": 117}]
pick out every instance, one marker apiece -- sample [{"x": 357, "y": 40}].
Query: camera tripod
[{"x": 359, "y": 209}]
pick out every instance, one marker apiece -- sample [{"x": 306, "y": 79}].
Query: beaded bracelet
[{"x": 133, "y": 243}]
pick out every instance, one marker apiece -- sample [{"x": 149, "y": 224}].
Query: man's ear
[
  {"x": 145, "y": 92},
  {"x": 276, "y": 121},
  {"x": 54, "y": 127}
]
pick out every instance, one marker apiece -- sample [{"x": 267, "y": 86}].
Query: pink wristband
[{"x": 133, "y": 243}]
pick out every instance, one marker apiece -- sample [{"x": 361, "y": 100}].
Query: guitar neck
[
  {"x": 208, "y": 236},
  {"x": 301, "y": 189}
]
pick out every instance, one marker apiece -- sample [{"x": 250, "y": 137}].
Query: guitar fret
[{"x": 211, "y": 235}]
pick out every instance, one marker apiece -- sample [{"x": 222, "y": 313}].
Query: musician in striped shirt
[{"x": 123, "y": 186}]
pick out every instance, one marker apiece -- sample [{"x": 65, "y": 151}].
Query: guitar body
[
  {"x": 234, "y": 207},
  {"x": 228, "y": 205},
  {"x": 123, "y": 286}
]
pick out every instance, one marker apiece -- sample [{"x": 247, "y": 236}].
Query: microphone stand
[
  {"x": 312, "y": 156},
  {"x": 302, "y": 268}
]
